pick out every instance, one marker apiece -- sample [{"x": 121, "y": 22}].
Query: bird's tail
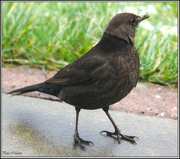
[{"x": 41, "y": 87}]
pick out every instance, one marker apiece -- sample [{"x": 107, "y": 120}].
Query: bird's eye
[{"x": 133, "y": 20}]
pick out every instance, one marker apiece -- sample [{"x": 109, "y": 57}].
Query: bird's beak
[{"x": 143, "y": 17}]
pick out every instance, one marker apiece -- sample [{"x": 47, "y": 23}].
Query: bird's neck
[{"x": 109, "y": 44}]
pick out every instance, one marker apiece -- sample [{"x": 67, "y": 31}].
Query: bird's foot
[
  {"x": 121, "y": 136},
  {"x": 80, "y": 142}
]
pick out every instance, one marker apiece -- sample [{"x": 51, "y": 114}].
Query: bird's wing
[{"x": 83, "y": 71}]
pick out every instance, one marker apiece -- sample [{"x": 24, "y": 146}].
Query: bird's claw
[
  {"x": 79, "y": 141},
  {"x": 121, "y": 136}
]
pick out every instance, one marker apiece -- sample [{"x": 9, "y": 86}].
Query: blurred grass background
[{"x": 50, "y": 35}]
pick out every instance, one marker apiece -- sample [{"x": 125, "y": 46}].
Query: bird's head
[{"x": 124, "y": 26}]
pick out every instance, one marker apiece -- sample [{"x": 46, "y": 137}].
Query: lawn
[{"x": 50, "y": 35}]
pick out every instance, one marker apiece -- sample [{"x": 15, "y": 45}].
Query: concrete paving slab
[{"x": 37, "y": 127}]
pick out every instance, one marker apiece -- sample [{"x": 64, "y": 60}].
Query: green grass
[{"x": 51, "y": 35}]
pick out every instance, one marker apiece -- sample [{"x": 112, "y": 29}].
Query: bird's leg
[
  {"x": 77, "y": 140},
  {"x": 117, "y": 131}
]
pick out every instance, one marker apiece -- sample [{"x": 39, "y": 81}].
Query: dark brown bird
[{"x": 103, "y": 76}]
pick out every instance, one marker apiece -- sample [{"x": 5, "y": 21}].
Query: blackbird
[{"x": 101, "y": 77}]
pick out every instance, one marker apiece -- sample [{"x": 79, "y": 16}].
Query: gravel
[{"x": 146, "y": 99}]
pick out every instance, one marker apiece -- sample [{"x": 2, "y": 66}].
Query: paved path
[{"x": 37, "y": 127}]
